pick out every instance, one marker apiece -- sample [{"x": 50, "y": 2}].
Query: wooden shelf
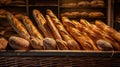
[
  {"x": 13, "y": 6},
  {"x": 82, "y": 7},
  {"x": 42, "y": 5},
  {"x": 55, "y": 5}
]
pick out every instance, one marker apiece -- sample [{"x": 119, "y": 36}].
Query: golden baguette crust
[
  {"x": 38, "y": 14},
  {"x": 94, "y": 31},
  {"x": 81, "y": 37},
  {"x": 72, "y": 44},
  {"x": 104, "y": 45},
  {"x": 18, "y": 26},
  {"x": 53, "y": 28},
  {"x": 19, "y": 43},
  {"x": 110, "y": 31},
  {"x": 85, "y": 23},
  {"x": 31, "y": 28},
  {"x": 41, "y": 22},
  {"x": 61, "y": 44},
  {"x": 115, "y": 40},
  {"x": 36, "y": 43},
  {"x": 95, "y": 34},
  {"x": 49, "y": 44}
]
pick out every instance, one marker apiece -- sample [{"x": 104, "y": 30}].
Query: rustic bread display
[{"x": 51, "y": 33}]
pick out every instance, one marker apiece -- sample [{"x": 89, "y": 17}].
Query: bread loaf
[
  {"x": 69, "y": 4},
  {"x": 19, "y": 16},
  {"x": 94, "y": 31},
  {"x": 83, "y": 3},
  {"x": 88, "y": 34},
  {"x": 85, "y": 23},
  {"x": 19, "y": 43},
  {"x": 36, "y": 43},
  {"x": 3, "y": 43},
  {"x": 45, "y": 44},
  {"x": 104, "y": 45},
  {"x": 72, "y": 44},
  {"x": 61, "y": 44},
  {"x": 96, "y": 14},
  {"x": 97, "y": 3},
  {"x": 71, "y": 14},
  {"x": 18, "y": 26},
  {"x": 41, "y": 22},
  {"x": 53, "y": 28},
  {"x": 112, "y": 32},
  {"x": 31, "y": 28},
  {"x": 84, "y": 41},
  {"x": 83, "y": 14},
  {"x": 95, "y": 34},
  {"x": 49, "y": 44}
]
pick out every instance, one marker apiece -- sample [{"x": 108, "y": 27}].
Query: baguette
[
  {"x": 49, "y": 44},
  {"x": 81, "y": 37},
  {"x": 72, "y": 44},
  {"x": 31, "y": 28},
  {"x": 94, "y": 31},
  {"x": 85, "y": 23},
  {"x": 18, "y": 26},
  {"x": 36, "y": 43},
  {"x": 103, "y": 42},
  {"x": 100, "y": 43},
  {"x": 61, "y": 44},
  {"x": 96, "y": 14},
  {"x": 105, "y": 27},
  {"x": 19, "y": 16},
  {"x": 41, "y": 22},
  {"x": 115, "y": 40},
  {"x": 53, "y": 28},
  {"x": 100, "y": 32},
  {"x": 83, "y": 3},
  {"x": 19, "y": 43},
  {"x": 104, "y": 45},
  {"x": 89, "y": 34}
]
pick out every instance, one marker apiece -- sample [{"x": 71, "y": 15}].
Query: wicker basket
[{"x": 64, "y": 58}]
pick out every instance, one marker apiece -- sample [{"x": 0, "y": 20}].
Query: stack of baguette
[
  {"x": 78, "y": 14},
  {"x": 5, "y": 2},
  {"x": 50, "y": 33}
]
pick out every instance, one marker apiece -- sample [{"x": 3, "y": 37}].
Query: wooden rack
[{"x": 26, "y": 7}]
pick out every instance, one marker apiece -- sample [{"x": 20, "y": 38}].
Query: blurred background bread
[
  {"x": 83, "y": 3},
  {"x": 96, "y": 14},
  {"x": 97, "y": 3}
]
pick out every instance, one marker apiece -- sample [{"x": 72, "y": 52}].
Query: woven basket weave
[{"x": 59, "y": 59}]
